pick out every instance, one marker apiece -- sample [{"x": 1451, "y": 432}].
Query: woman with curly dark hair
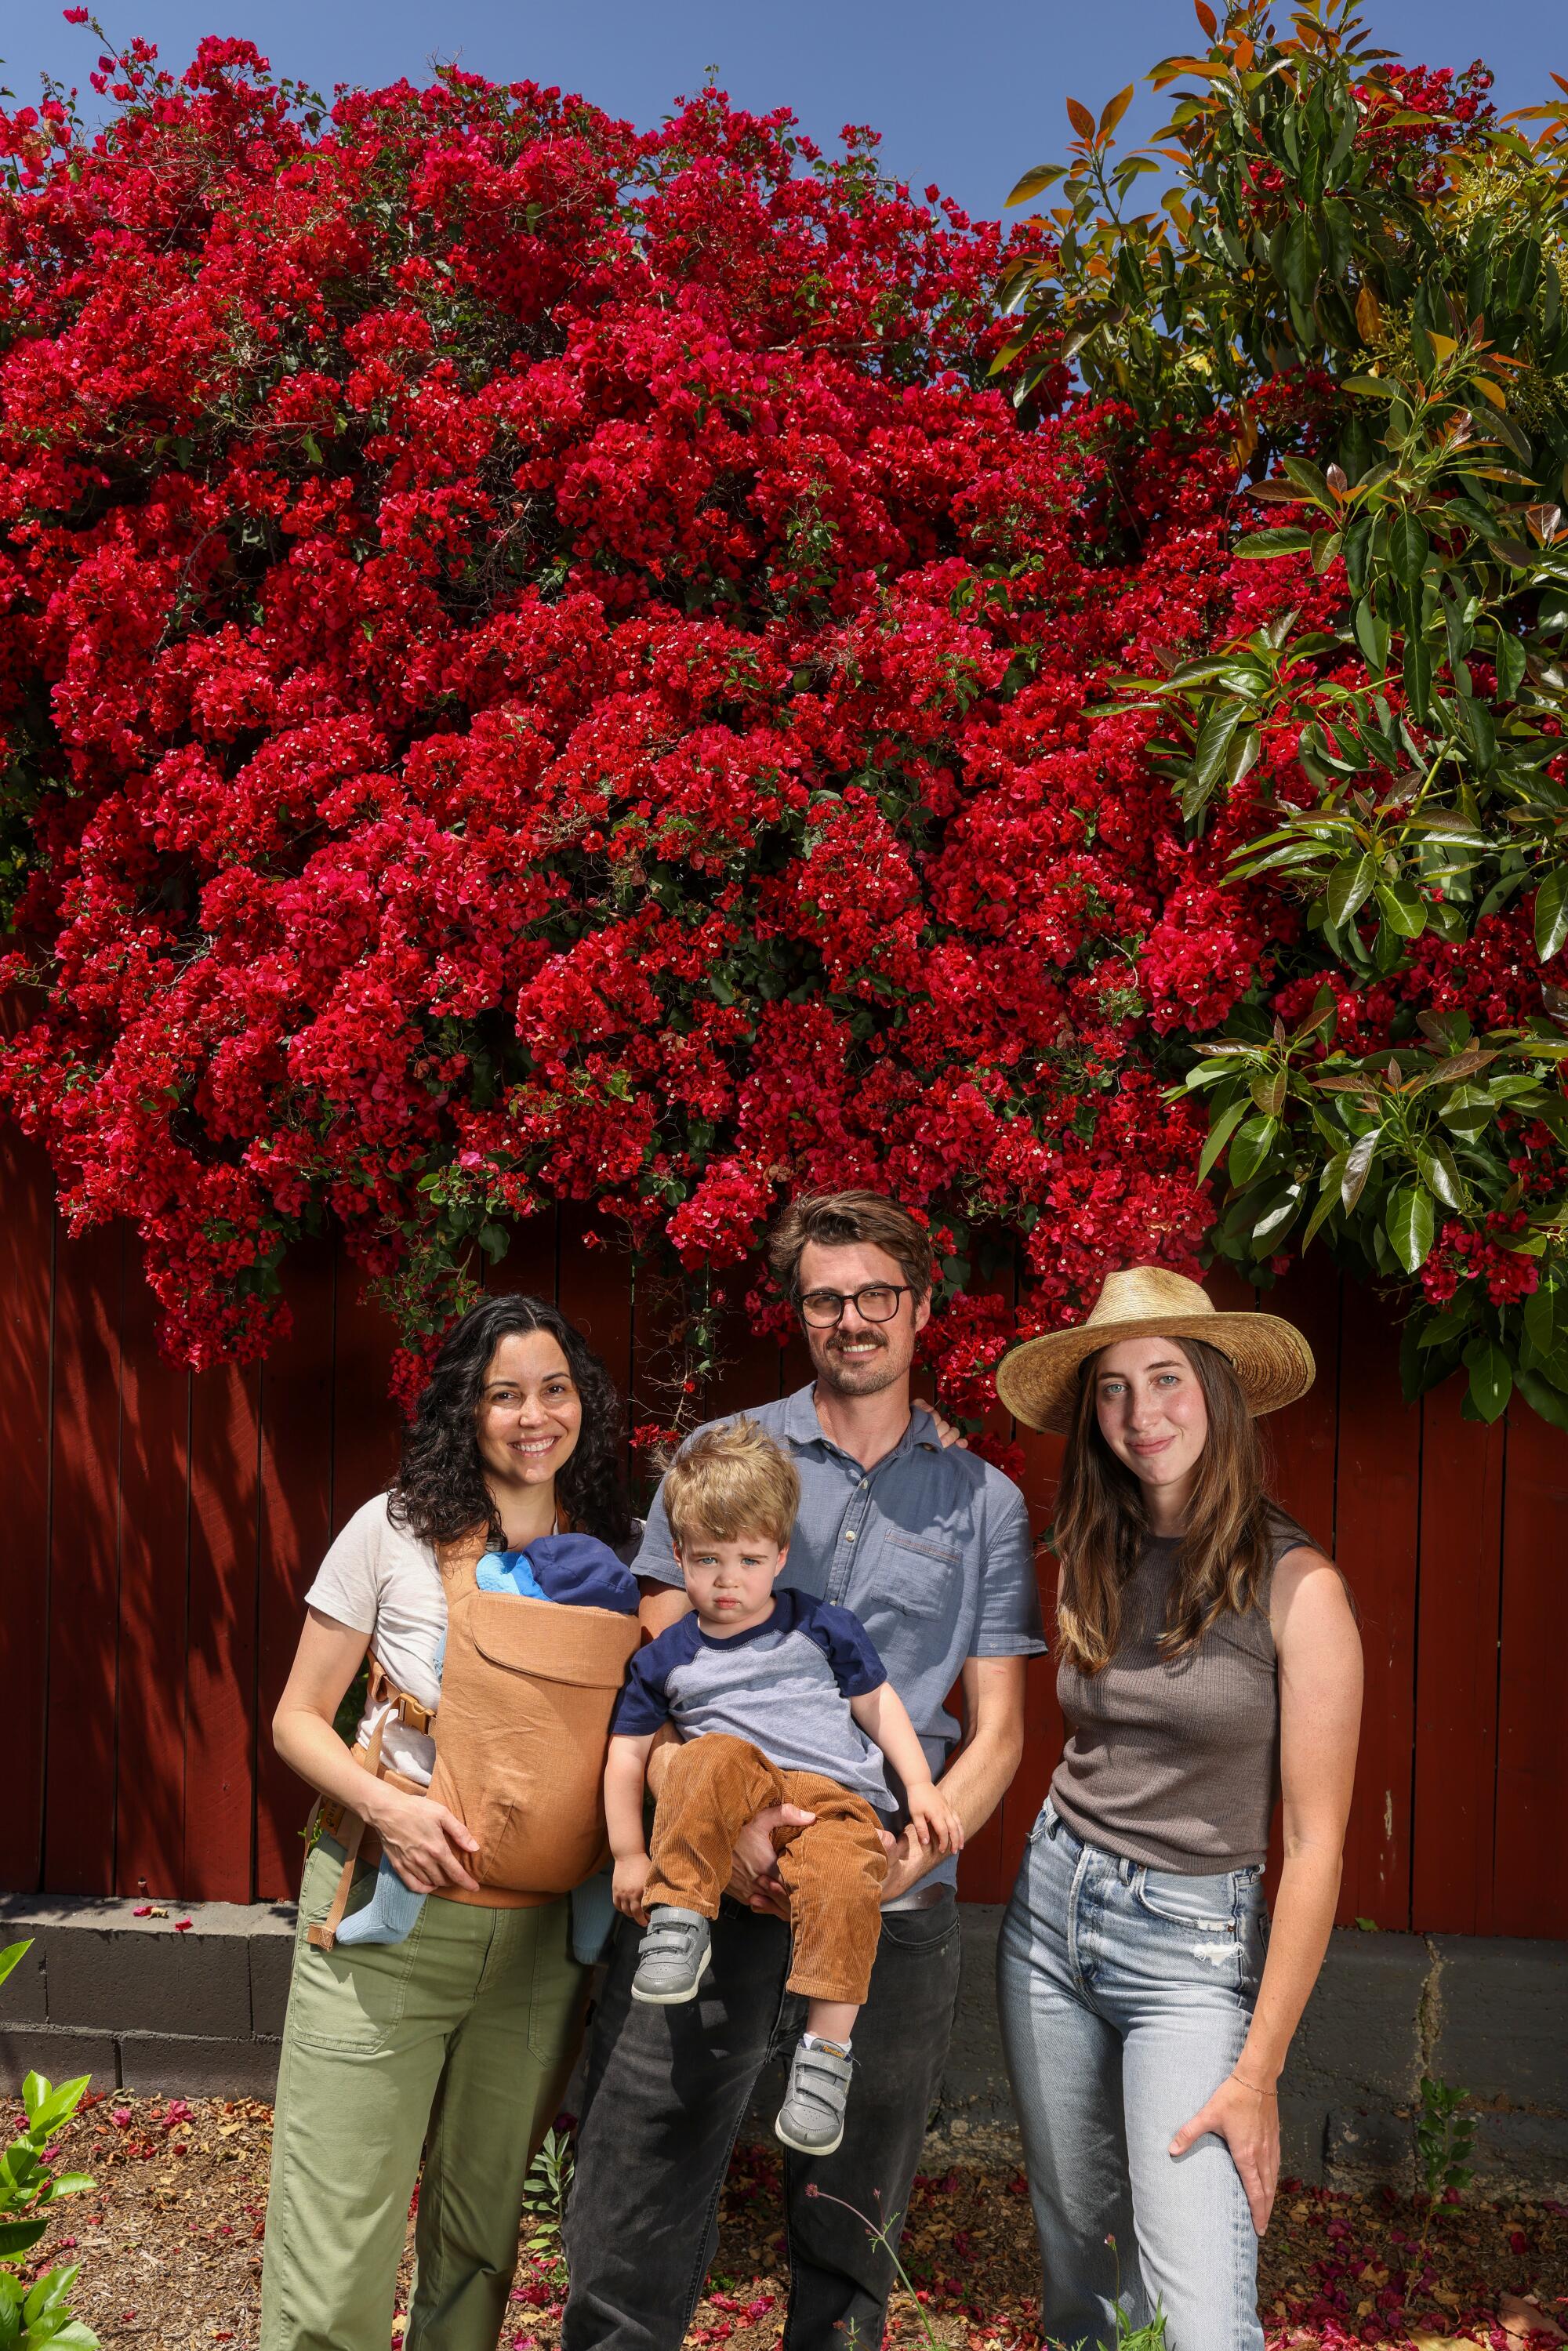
[{"x": 457, "y": 2041}]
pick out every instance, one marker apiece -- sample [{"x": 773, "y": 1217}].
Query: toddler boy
[{"x": 778, "y": 1700}]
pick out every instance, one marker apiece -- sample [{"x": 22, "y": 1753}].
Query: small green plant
[
  {"x": 886, "y": 2234},
  {"x": 1445, "y": 2138},
  {"x": 545, "y": 2198},
  {"x": 1129, "y": 2337},
  {"x": 36, "y": 2312}
]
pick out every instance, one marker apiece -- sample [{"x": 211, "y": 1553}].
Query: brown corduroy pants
[{"x": 833, "y": 1871}]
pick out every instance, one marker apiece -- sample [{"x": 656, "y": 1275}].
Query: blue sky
[{"x": 967, "y": 95}]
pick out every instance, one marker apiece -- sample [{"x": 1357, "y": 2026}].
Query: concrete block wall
[
  {"x": 1489, "y": 2014},
  {"x": 141, "y": 2006}
]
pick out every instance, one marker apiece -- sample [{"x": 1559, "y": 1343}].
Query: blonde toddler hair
[{"x": 730, "y": 1481}]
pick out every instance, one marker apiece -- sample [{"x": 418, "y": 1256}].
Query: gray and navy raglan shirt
[{"x": 785, "y": 1685}]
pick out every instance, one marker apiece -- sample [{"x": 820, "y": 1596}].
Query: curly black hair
[{"x": 440, "y": 1491}]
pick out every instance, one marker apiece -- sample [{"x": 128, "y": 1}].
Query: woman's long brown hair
[{"x": 1102, "y": 1523}]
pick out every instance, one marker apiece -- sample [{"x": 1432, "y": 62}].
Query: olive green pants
[{"x": 458, "y": 2043}]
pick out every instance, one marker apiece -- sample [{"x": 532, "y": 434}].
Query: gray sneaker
[
  {"x": 675, "y": 1957},
  {"x": 812, "y": 2118}
]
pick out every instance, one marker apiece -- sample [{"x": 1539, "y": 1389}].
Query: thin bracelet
[{"x": 1257, "y": 2092}]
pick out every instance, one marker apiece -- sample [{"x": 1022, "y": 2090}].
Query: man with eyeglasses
[{"x": 930, "y": 1547}]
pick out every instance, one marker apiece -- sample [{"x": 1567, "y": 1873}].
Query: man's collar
[{"x": 803, "y": 1427}]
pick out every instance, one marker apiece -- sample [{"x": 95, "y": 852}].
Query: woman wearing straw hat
[{"x": 1209, "y": 1660}]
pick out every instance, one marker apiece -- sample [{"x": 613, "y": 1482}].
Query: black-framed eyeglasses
[{"x": 877, "y": 1303}]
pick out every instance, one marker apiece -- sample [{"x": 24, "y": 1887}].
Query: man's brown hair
[
  {"x": 730, "y": 1481},
  {"x": 832, "y": 1219}
]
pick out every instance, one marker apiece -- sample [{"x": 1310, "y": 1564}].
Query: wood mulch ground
[{"x": 169, "y": 2243}]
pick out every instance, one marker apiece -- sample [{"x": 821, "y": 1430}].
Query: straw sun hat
[{"x": 1038, "y": 1381}]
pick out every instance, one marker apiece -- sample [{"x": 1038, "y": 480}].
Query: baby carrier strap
[
  {"x": 459, "y": 1560},
  {"x": 337, "y": 1819}
]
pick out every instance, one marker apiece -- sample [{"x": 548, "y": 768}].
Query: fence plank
[
  {"x": 84, "y": 1567},
  {"x": 364, "y": 1423},
  {"x": 154, "y": 1520},
  {"x": 1530, "y": 1892},
  {"x": 1457, "y": 1660},
  {"x": 1375, "y": 1540},
  {"x": 593, "y": 1290},
  {"x": 27, "y": 1268},
  {"x": 1304, "y": 1439},
  {"x": 296, "y": 1506},
  {"x": 220, "y": 1681}
]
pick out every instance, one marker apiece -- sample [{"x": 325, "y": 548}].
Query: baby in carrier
[
  {"x": 572, "y": 1571},
  {"x": 779, "y": 1699}
]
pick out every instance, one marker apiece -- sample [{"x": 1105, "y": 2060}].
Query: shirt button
[
  {"x": 863, "y": 1484},
  {"x": 850, "y": 1535}
]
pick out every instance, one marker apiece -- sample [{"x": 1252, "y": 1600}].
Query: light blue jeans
[{"x": 1125, "y": 1995}]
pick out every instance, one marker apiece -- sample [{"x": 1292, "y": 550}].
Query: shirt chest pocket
[{"x": 920, "y": 1577}]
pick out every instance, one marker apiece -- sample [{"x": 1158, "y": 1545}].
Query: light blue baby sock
[{"x": 390, "y": 1914}]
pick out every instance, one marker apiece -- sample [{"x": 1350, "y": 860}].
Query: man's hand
[
  {"x": 630, "y": 1876},
  {"x": 908, "y": 1862},
  {"x": 753, "y": 1878}
]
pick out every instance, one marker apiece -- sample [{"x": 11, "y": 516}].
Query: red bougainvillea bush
[{"x": 535, "y": 664}]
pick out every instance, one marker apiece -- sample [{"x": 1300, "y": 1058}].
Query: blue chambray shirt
[{"x": 931, "y": 1550}]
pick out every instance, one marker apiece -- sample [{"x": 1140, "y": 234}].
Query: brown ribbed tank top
[{"x": 1175, "y": 1762}]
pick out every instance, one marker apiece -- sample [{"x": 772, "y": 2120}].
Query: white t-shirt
[{"x": 381, "y": 1579}]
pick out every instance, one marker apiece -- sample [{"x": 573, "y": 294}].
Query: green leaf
[
  {"x": 1219, "y": 1134},
  {"x": 1491, "y": 1376},
  {"x": 1250, "y": 1149},
  {"x": 1403, "y": 908},
  {"x": 1552, "y": 913},
  {"x": 1269, "y": 1092},
  {"x": 1298, "y": 261},
  {"x": 1357, "y": 1167},
  {"x": 1213, "y": 743},
  {"x": 1259, "y": 544},
  {"x": 16, "y": 2236},
  {"x": 1408, "y": 1222},
  {"x": 1419, "y": 677},
  {"x": 1276, "y": 1218},
  {"x": 12, "y": 1955},
  {"x": 1510, "y": 659},
  {"x": 1408, "y": 548},
  {"x": 1350, "y": 885},
  {"x": 1540, "y": 1320},
  {"x": 1033, "y": 183},
  {"x": 1436, "y": 1162},
  {"x": 1549, "y": 1402},
  {"x": 1371, "y": 634}
]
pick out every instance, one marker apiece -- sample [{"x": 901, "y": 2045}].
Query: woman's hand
[
  {"x": 945, "y": 1431},
  {"x": 424, "y": 1842},
  {"x": 1248, "y": 2120},
  {"x": 630, "y": 1878}
]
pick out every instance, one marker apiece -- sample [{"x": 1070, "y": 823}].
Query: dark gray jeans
[{"x": 667, "y": 2090}]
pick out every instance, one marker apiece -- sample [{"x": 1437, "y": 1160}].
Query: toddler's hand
[
  {"x": 630, "y": 1876},
  {"x": 933, "y": 1819}
]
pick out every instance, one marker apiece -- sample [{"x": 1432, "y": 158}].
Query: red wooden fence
[{"x": 159, "y": 1529}]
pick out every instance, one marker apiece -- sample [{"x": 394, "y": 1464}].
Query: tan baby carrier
[{"x": 521, "y": 1735}]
